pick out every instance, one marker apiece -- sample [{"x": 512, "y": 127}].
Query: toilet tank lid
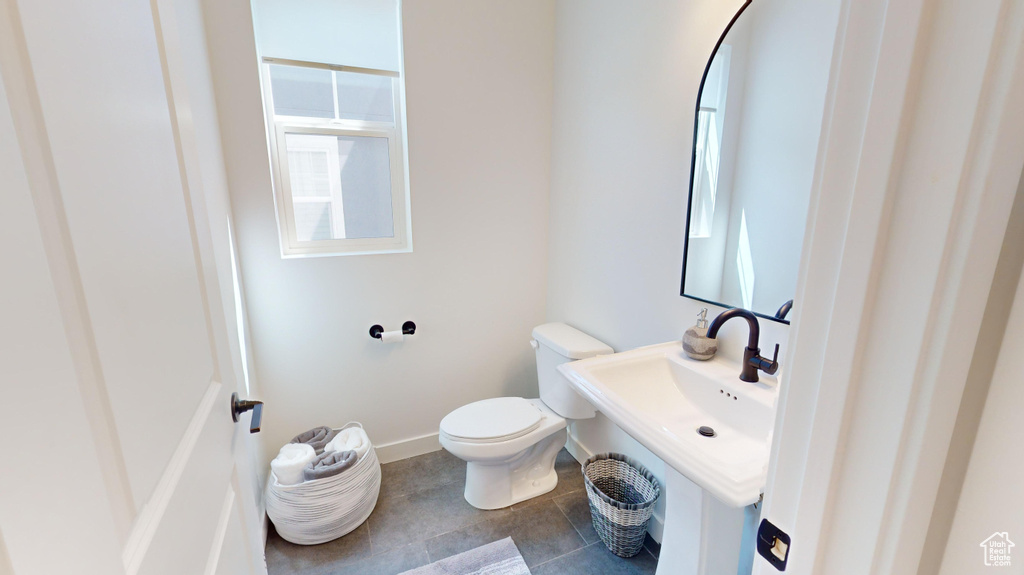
[{"x": 569, "y": 342}]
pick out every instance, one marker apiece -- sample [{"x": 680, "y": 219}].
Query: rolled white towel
[
  {"x": 352, "y": 438},
  {"x": 290, "y": 461}
]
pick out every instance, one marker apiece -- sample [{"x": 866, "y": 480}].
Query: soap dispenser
[{"x": 696, "y": 342}]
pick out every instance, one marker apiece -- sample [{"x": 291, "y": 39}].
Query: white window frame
[{"x": 279, "y": 126}]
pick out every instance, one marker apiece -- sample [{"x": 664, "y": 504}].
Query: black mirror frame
[{"x": 693, "y": 169}]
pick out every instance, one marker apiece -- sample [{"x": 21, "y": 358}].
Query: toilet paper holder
[{"x": 408, "y": 328}]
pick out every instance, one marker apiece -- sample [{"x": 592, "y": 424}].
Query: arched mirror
[{"x": 755, "y": 138}]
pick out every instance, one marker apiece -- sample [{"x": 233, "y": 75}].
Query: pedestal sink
[{"x": 713, "y": 432}]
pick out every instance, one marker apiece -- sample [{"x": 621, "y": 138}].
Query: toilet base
[{"x": 495, "y": 485}]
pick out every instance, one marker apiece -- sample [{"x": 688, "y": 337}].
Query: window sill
[{"x": 329, "y": 254}]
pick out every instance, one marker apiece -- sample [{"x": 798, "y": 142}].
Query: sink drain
[{"x": 706, "y": 431}]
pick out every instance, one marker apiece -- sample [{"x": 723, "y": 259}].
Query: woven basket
[
  {"x": 622, "y": 495},
  {"x": 318, "y": 511}
]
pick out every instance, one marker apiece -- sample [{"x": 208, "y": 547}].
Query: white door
[{"x": 118, "y": 454}]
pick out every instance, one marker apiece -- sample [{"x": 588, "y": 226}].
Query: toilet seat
[{"x": 492, "y": 420}]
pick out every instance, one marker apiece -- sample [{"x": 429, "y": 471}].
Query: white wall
[
  {"x": 625, "y": 87},
  {"x": 479, "y": 85}
]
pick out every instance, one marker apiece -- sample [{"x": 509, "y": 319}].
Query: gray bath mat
[{"x": 498, "y": 558}]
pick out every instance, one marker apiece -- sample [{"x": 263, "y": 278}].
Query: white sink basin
[{"x": 661, "y": 397}]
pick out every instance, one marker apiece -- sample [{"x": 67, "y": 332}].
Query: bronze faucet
[{"x": 752, "y": 360}]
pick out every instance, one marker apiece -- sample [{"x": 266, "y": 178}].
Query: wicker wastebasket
[{"x": 622, "y": 495}]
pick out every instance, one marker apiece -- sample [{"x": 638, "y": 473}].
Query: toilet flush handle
[{"x": 533, "y": 343}]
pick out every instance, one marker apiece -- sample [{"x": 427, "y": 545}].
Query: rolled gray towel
[
  {"x": 318, "y": 438},
  {"x": 329, "y": 464}
]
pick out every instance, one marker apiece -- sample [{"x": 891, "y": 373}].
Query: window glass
[
  {"x": 313, "y": 221},
  {"x": 340, "y": 186},
  {"x": 300, "y": 91},
  {"x": 366, "y": 97}
]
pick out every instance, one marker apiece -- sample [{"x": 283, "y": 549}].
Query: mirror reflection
[{"x": 755, "y": 140}]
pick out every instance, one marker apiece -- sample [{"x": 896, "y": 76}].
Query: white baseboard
[
  {"x": 580, "y": 452},
  {"x": 577, "y": 449},
  {"x": 408, "y": 448}
]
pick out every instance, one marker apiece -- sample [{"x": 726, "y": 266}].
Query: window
[
  {"x": 707, "y": 153},
  {"x": 705, "y": 175},
  {"x": 339, "y": 158}
]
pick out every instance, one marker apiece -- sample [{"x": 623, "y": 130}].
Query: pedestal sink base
[
  {"x": 710, "y": 429},
  {"x": 703, "y": 536}
]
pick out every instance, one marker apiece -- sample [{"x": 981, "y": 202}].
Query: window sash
[
  {"x": 287, "y": 201},
  {"x": 284, "y": 201}
]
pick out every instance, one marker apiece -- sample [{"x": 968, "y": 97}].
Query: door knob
[{"x": 238, "y": 407}]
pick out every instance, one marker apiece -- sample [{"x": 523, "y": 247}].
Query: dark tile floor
[{"x": 422, "y": 517}]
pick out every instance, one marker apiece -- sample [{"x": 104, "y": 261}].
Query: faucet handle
[
  {"x": 774, "y": 365},
  {"x": 762, "y": 363}
]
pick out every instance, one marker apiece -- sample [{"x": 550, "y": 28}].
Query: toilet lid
[{"x": 492, "y": 419}]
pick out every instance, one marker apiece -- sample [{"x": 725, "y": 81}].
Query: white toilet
[{"x": 510, "y": 443}]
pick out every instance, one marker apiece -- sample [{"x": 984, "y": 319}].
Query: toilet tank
[{"x": 557, "y": 343}]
